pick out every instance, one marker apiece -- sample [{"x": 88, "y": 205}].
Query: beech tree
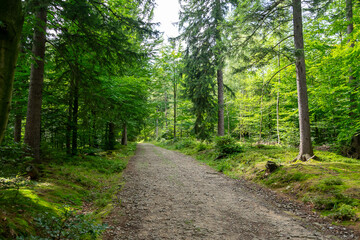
[{"x": 11, "y": 21}]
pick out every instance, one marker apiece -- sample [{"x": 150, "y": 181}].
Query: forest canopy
[{"x": 90, "y": 74}]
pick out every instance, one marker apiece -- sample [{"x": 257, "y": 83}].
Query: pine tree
[
  {"x": 33, "y": 116},
  {"x": 200, "y": 23},
  {"x": 305, "y": 148}
]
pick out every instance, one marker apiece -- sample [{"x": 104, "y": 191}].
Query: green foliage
[
  {"x": 14, "y": 158},
  {"x": 344, "y": 212},
  {"x": 68, "y": 180},
  {"x": 227, "y": 145},
  {"x": 185, "y": 143},
  {"x": 69, "y": 225},
  {"x": 224, "y": 165}
]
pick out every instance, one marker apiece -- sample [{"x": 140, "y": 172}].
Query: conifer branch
[{"x": 278, "y": 72}]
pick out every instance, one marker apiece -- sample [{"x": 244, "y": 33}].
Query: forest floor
[{"x": 168, "y": 195}]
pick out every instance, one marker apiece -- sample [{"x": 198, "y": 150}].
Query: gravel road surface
[{"x": 168, "y": 195}]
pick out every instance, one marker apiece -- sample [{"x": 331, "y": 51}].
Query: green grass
[
  {"x": 330, "y": 184},
  {"x": 68, "y": 182}
]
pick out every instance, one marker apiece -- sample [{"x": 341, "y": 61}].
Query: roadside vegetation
[
  {"x": 330, "y": 183},
  {"x": 67, "y": 201}
]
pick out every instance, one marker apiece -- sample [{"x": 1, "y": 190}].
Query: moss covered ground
[
  {"x": 83, "y": 184},
  {"x": 330, "y": 184}
]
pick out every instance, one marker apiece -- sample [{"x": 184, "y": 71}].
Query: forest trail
[{"x": 171, "y": 196}]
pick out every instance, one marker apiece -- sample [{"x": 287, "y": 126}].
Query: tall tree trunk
[
  {"x": 11, "y": 21},
  {"x": 240, "y": 121},
  {"x": 261, "y": 111},
  {"x": 157, "y": 125},
  {"x": 111, "y": 136},
  {"x": 75, "y": 111},
  {"x": 165, "y": 100},
  {"x": 305, "y": 148},
  {"x": 68, "y": 126},
  {"x": 17, "y": 128},
  {"x": 278, "y": 103},
  {"x": 33, "y": 116},
  {"x": 228, "y": 120},
  {"x": 124, "y": 140},
  {"x": 355, "y": 140},
  {"x": 220, "y": 83},
  {"x": 175, "y": 90},
  {"x": 94, "y": 135}
]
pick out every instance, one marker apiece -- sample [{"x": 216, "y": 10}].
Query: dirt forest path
[{"x": 171, "y": 196}]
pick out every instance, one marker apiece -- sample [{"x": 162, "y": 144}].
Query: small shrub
[
  {"x": 90, "y": 151},
  {"x": 333, "y": 181},
  {"x": 224, "y": 166},
  {"x": 324, "y": 203},
  {"x": 185, "y": 143},
  {"x": 70, "y": 225},
  {"x": 201, "y": 146},
  {"x": 13, "y": 159},
  {"x": 227, "y": 145},
  {"x": 344, "y": 212}
]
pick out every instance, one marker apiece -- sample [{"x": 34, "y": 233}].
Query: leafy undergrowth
[
  {"x": 330, "y": 184},
  {"x": 68, "y": 201}
]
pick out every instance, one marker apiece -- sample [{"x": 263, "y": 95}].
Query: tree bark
[
  {"x": 17, "y": 128},
  {"x": 355, "y": 140},
  {"x": 165, "y": 100},
  {"x": 220, "y": 83},
  {"x": 278, "y": 104},
  {"x": 175, "y": 91},
  {"x": 228, "y": 120},
  {"x": 157, "y": 125},
  {"x": 305, "y": 148},
  {"x": 33, "y": 116},
  {"x": 111, "y": 136},
  {"x": 124, "y": 140},
  {"x": 11, "y": 21},
  {"x": 261, "y": 111},
  {"x": 68, "y": 126},
  {"x": 75, "y": 111}
]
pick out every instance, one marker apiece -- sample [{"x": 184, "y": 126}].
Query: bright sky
[{"x": 167, "y": 12}]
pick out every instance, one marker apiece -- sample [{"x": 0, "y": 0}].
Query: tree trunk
[
  {"x": 17, "y": 128},
  {"x": 124, "y": 135},
  {"x": 94, "y": 135},
  {"x": 75, "y": 111},
  {"x": 165, "y": 100},
  {"x": 33, "y": 116},
  {"x": 157, "y": 125},
  {"x": 175, "y": 90},
  {"x": 11, "y": 21},
  {"x": 278, "y": 104},
  {"x": 68, "y": 126},
  {"x": 221, "y": 128},
  {"x": 111, "y": 136},
  {"x": 228, "y": 120},
  {"x": 261, "y": 111},
  {"x": 305, "y": 148},
  {"x": 240, "y": 121},
  {"x": 355, "y": 140}
]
